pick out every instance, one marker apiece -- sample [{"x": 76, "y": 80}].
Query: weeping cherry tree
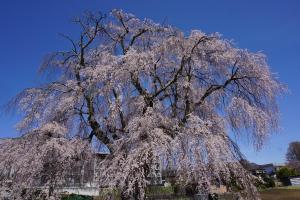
[{"x": 146, "y": 93}]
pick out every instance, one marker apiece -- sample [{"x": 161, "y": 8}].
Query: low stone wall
[{"x": 86, "y": 191}]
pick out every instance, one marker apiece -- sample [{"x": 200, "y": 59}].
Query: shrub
[
  {"x": 265, "y": 182},
  {"x": 76, "y": 197},
  {"x": 285, "y": 172},
  {"x": 191, "y": 189}
]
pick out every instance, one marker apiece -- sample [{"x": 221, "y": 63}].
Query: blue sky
[{"x": 30, "y": 29}]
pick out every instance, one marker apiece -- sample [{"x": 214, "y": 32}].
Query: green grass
[
  {"x": 282, "y": 193},
  {"x": 289, "y": 188},
  {"x": 279, "y": 193},
  {"x": 159, "y": 190}
]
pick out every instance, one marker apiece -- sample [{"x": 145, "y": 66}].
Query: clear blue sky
[{"x": 29, "y": 30}]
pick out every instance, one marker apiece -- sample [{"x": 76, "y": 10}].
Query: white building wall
[{"x": 295, "y": 181}]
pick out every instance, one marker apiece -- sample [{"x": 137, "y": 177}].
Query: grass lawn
[{"x": 281, "y": 193}]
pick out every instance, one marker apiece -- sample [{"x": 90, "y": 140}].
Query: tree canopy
[
  {"x": 293, "y": 155},
  {"x": 149, "y": 92}
]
